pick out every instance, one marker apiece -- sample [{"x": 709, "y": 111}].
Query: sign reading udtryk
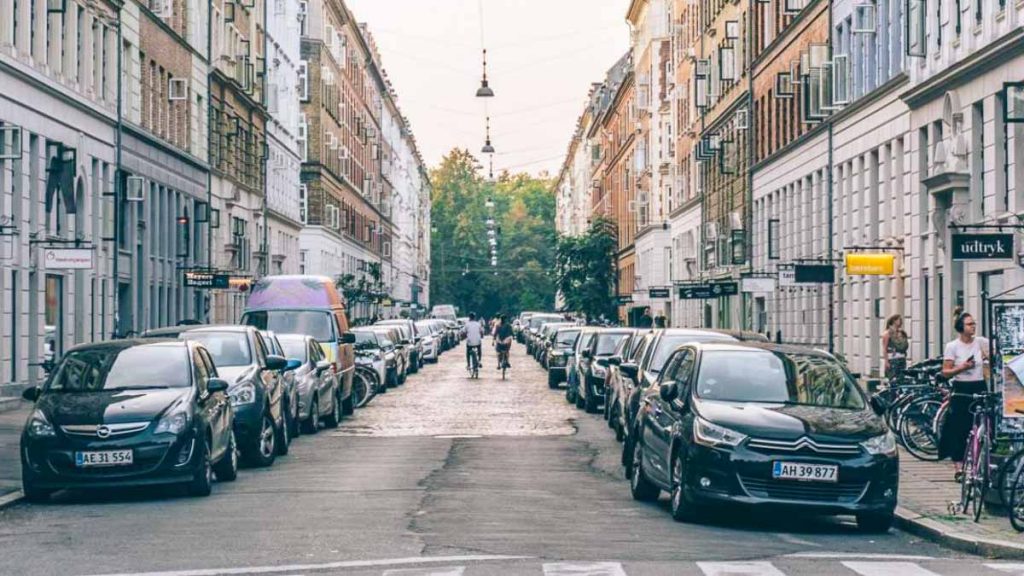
[{"x": 982, "y": 246}]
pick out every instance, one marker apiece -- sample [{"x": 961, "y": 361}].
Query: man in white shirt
[{"x": 474, "y": 332}]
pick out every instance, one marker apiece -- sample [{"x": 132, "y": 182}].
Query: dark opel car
[
  {"x": 129, "y": 412},
  {"x": 763, "y": 425}
]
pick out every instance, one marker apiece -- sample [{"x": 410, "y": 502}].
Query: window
[
  {"x": 773, "y": 239},
  {"x": 917, "y": 25},
  {"x": 303, "y": 202},
  {"x": 864, "y": 18}
]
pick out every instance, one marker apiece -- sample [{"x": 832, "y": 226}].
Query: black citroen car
[
  {"x": 129, "y": 412},
  {"x": 776, "y": 427}
]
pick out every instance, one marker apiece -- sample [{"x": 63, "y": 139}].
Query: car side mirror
[
  {"x": 292, "y": 364},
  {"x": 216, "y": 385},
  {"x": 322, "y": 365},
  {"x": 406, "y": 342},
  {"x": 669, "y": 391},
  {"x": 629, "y": 369},
  {"x": 32, "y": 393},
  {"x": 275, "y": 362},
  {"x": 348, "y": 338},
  {"x": 877, "y": 405}
]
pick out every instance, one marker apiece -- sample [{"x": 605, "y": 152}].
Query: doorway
[{"x": 53, "y": 315}]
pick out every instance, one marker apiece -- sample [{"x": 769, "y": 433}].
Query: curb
[
  {"x": 8, "y": 500},
  {"x": 8, "y": 404},
  {"x": 945, "y": 535}
]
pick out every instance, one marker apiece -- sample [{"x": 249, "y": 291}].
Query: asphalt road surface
[{"x": 444, "y": 476}]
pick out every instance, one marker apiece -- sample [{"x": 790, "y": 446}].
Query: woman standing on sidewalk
[
  {"x": 895, "y": 343},
  {"x": 962, "y": 363}
]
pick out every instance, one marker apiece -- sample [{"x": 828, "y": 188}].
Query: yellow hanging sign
[{"x": 870, "y": 264}]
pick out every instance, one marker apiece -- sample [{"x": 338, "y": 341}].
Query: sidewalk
[
  {"x": 11, "y": 423},
  {"x": 926, "y": 489}
]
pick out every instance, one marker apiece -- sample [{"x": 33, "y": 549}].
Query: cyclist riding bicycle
[
  {"x": 474, "y": 333},
  {"x": 503, "y": 341}
]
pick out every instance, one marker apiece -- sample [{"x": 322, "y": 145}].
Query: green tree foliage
[
  {"x": 524, "y": 214},
  {"x": 585, "y": 271}
]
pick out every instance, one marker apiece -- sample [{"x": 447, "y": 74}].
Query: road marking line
[
  {"x": 1008, "y": 568},
  {"x": 446, "y": 571},
  {"x": 739, "y": 569},
  {"x": 326, "y": 566},
  {"x": 840, "y": 555},
  {"x": 584, "y": 569},
  {"x": 798, "y": 541},
  {"x": 888, "y": 569}
]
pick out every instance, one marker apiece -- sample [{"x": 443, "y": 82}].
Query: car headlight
[
  {"x": 883, "y": 445},
  {"x": 713, "y": 435},
  {"x": 38, "y": 426},
  {"x": 599, "y": 371},
  {"x": 243, "y": 394},
  {"x": 174, "y": 422}
]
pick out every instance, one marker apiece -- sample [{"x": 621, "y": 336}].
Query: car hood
[
  {"x": 236, "y": 374},
  {"x": 109, "y": 407},
  {"x": 789, "y": 422}
]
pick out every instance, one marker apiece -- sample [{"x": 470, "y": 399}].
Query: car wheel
[
  {"x": 284, "y": 437},
  {"x": 620, "y": 432},
  {"x": 639, "y": 486},
  {"x": 226, "y": 469},
  {"x": 264, "y": 449},
  {"x": 569, "y": 394},
  {"x": 876, "y": 522},
  {"x": 579, "y": 400},
  {"x": 607, "y": 412},
  {"x": 32, "y": 493},
  {"x": 312, "y": 424},
  {"x": 552, "y": 381},
  {"x": 334, "y": 418},
  {"x": 682, "y": 509},
  {"x": 202, "y": 482},
  {"x": 590, "y": 404},
  {"x": 293, "y": 423}
]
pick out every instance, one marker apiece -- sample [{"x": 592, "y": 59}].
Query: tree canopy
[
  {"x": 585, "y": 271},
  {"x": 524, "y": 221}
]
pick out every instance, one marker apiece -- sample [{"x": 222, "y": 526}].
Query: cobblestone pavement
[{"x": 444, "y": 401}]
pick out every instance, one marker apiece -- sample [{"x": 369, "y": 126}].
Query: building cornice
[
  {"x": 150, "y": 139},
  {"x": 891, "y": 86},
  {"x": 994, "y": 54}
]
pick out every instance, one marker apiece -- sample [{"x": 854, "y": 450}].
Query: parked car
[
  {"x": 547, "y": 339},
  {"x": 643, "y": 374},
  {"x": 588, "y": 392},
  {"x": 767, "y": 426},
  {"x": 129, "y": 412},
  {"x": 375, "y": 346},
  {"x": 617, "y": 385},
  {"x": 291, "y": 395},
  {"x": 395, "y": 338},
  {"x": 560, "y": 353},
  {"x": 310, "y": 305},
  {"x": 391, "y": 356},
  {"x": 415, "y": 336},
  {"x": 431, "y": 340},
  {"x": 403, "y": 340},
  {"x": 572, "y": 370},
  {"x": 317, "y": 389},
  {"x": 254, "y": 387},
  {"x": 533, "y": 329}
]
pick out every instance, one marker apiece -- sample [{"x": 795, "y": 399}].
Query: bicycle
[
  {"x": 474, "y": 362},
  {"x": 974, "y": 479}
]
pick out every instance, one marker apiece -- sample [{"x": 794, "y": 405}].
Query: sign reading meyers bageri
[
  {"x": 67, "y": 258},
  {"x": 982, "y": 246}
]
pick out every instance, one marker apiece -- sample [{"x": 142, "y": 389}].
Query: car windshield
[
  {"x": 138, "y": 367},
  {"x": 537, "y": 321},
  {"x": 566, "y": 338},
  {"x": 585, "y": 340},
  {"x": 776, "y": 378},
  {"x": 315, "y": 323},
  {"x": 670, "y": 342},
  {"x": 366, "y": 340},
  {"x": 606, "y": 343},
  {"x": 294, "y": 348},
  {"x": 226, "y": 348}
]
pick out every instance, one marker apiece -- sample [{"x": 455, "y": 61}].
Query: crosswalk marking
[
  {"x": 739, "y": 569},
  {"x": 888, "y": 569},
  {"x": 437, "y": 571},
  {"x": 583, "y": 569},
  {"x": 1008, "y": 568}
]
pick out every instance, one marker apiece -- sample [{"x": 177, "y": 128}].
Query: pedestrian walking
[
  {"x": 962, "y": 363},
  {"x": 645, "y": 319},
  {"x": 659, "y": 321},
  {"x": 895, "y": 344}
]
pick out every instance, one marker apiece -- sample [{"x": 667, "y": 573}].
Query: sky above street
[{"x": 542, "y": 57}]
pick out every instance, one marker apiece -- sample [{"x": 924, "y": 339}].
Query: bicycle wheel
[
  {"x": 1017, "y": 502},
  {"x": 981, "y": 476},
  {"x": 916, "y": 432},
  {"x": 360, "y": 389},
  {"x": 1006, "y": 476},
  {"x": 967, "y": 476}
]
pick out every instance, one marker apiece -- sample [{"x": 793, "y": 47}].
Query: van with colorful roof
[{"x": 309, "y": 305}]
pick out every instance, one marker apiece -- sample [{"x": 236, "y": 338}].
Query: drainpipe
[
  {"x": 266, "y": 140},
  {"x": 209, "y": 171},
  {"x": 831, "y": 150},
  {"x": 118, "y": 177}
]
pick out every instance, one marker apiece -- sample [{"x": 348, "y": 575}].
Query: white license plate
[
  {"x": 104, "y": 458},
  {"x": 810, "y": 472}
]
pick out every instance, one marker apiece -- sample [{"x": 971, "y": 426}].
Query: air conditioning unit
[
  {"x": 691, "y": 53},
  {"x": 711, "y": 231},
  {"x": 735, "y": 221},
  {"x": 160, "y": 8},
  {"x": 177, "y": 89}
]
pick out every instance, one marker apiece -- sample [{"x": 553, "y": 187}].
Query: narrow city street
[{"x": 444, "y": 475}]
